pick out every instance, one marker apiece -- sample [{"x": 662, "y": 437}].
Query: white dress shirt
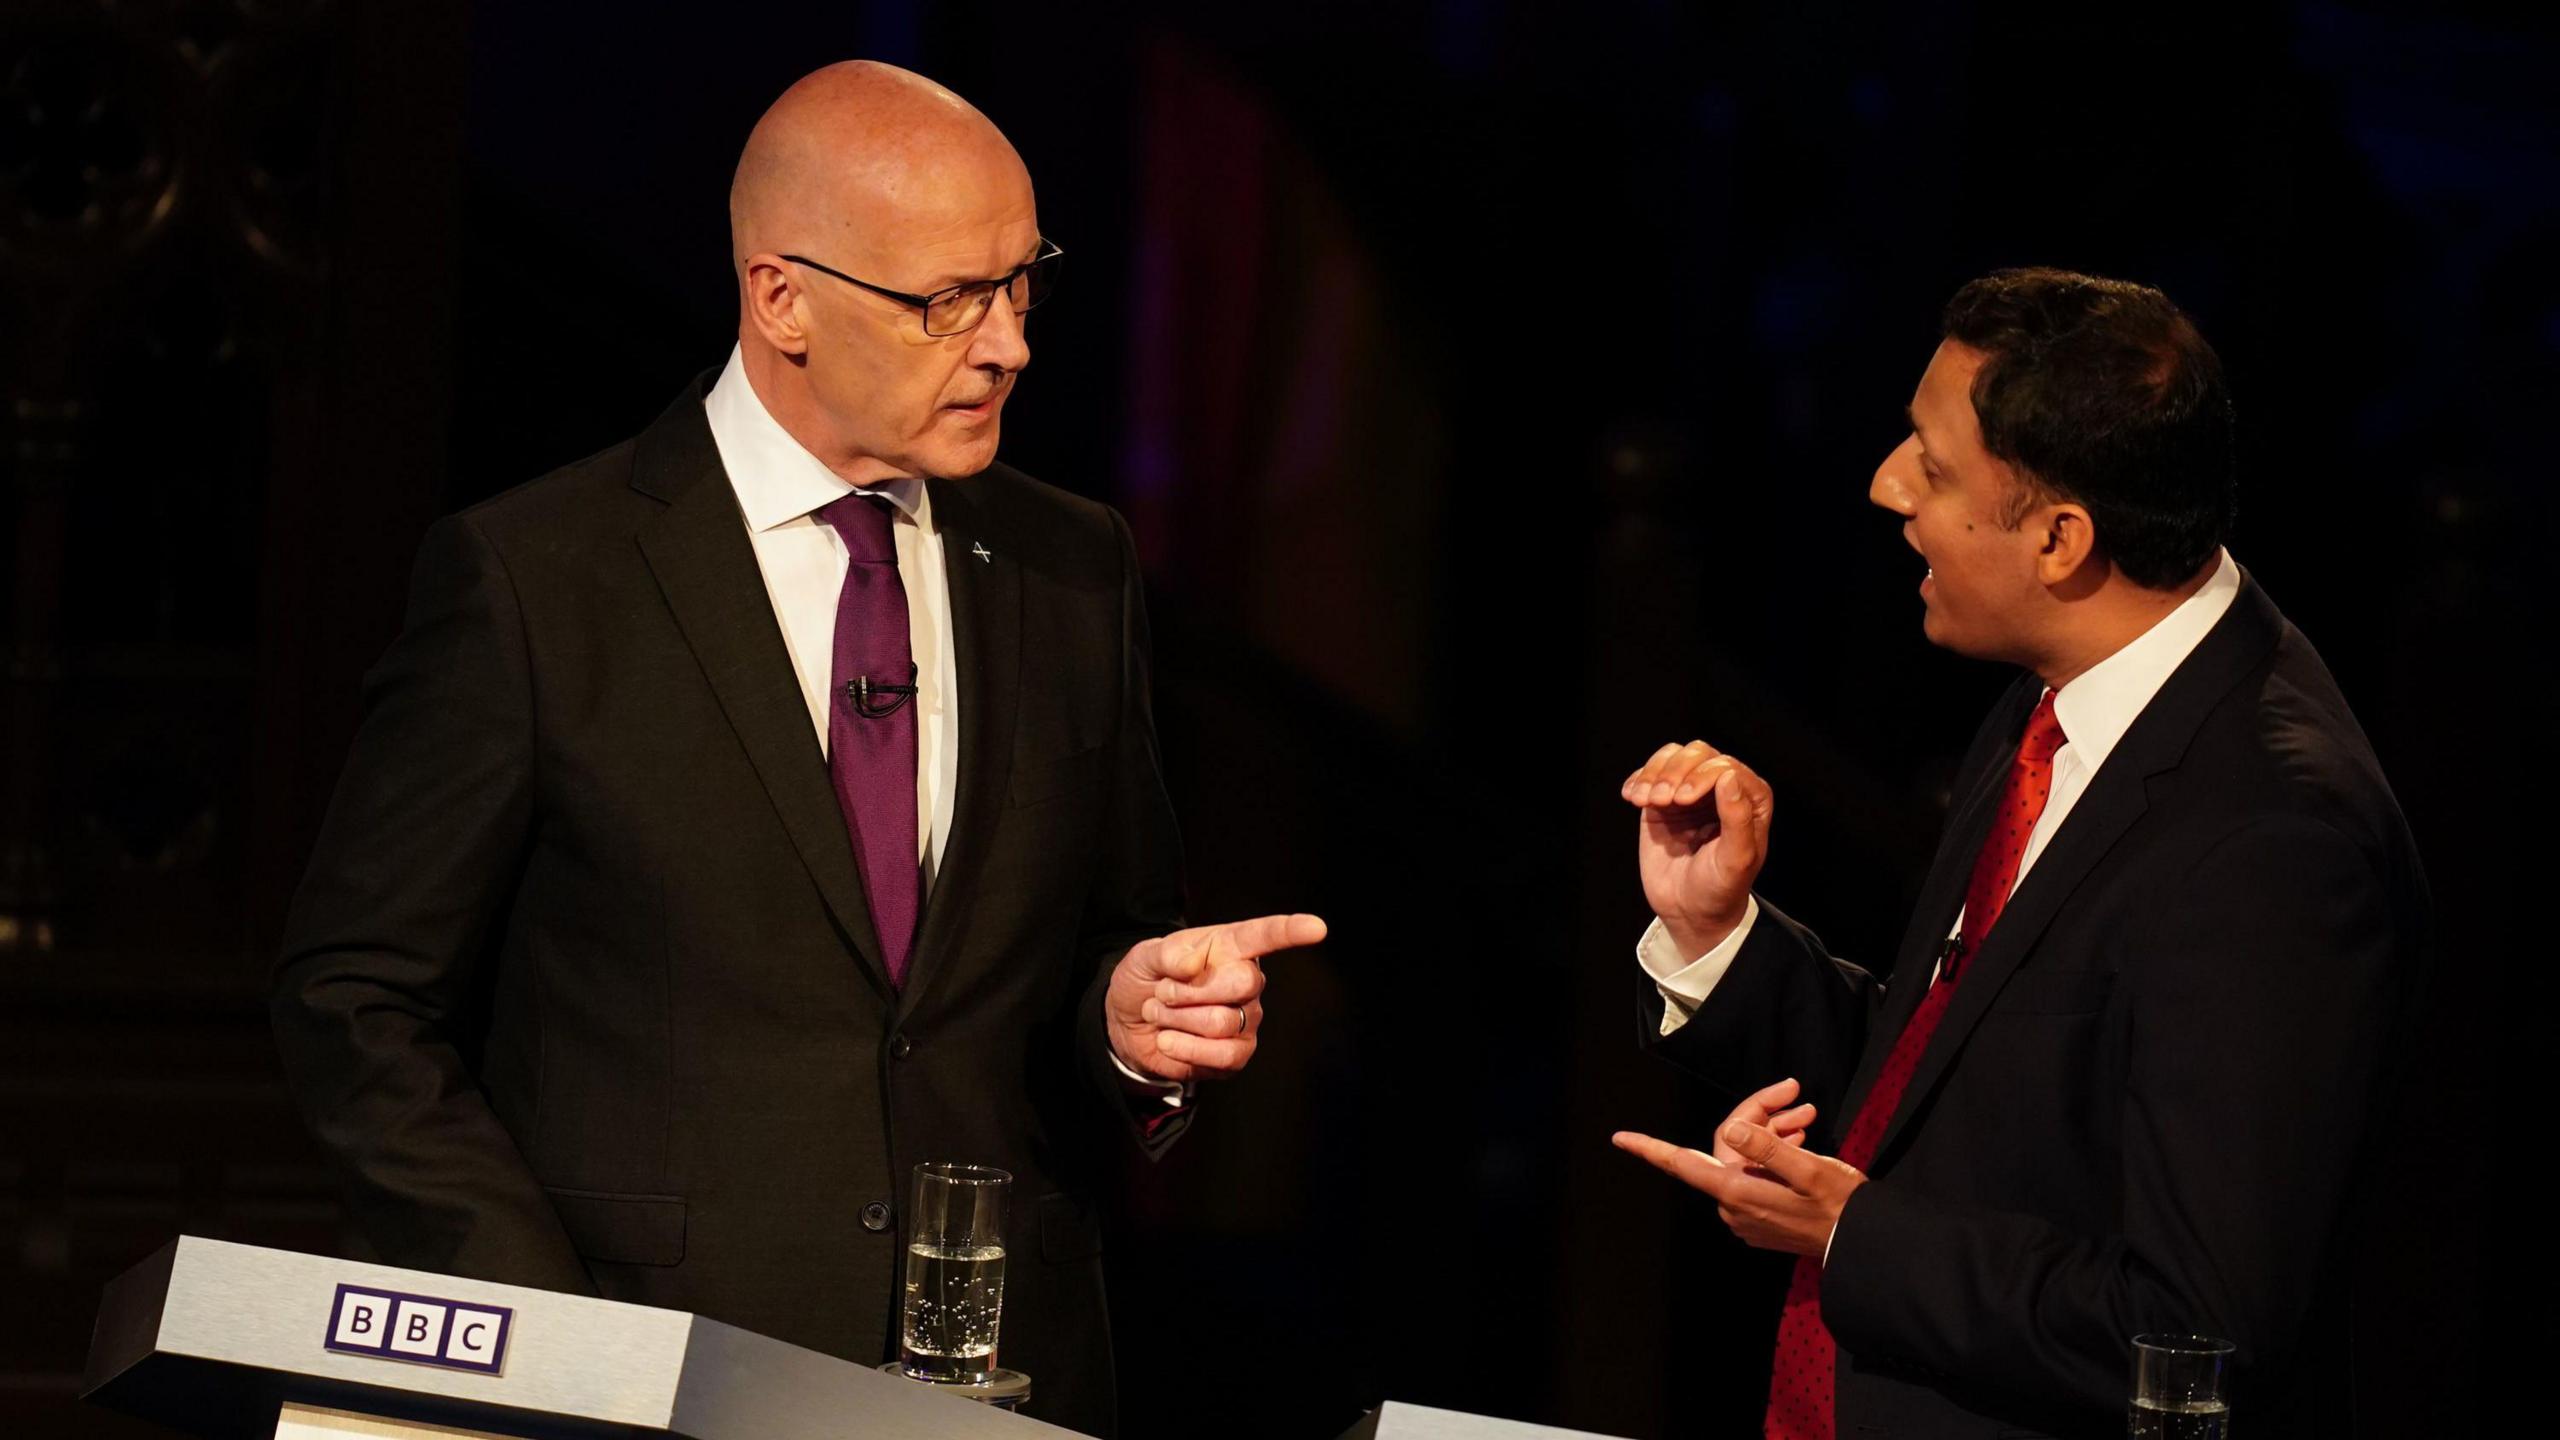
[
  {"x": 2095, "y": 710},
  {"x": 781, "y": 487}
]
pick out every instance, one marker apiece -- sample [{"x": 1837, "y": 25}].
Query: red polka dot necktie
[{"x": 1802, "y": 1378}]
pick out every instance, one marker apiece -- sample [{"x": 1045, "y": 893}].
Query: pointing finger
[
  {"x": 1267, "y": 935},
  {"x": 1661, "y": 1154},
  {"x": 1694, "y": 1168},
  {"x": 1728, "y": 1185}
]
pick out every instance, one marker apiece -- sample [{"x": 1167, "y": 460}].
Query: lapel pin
[{"x": 979, "y": 549}]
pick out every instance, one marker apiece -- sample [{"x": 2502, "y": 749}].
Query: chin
[
  {"x": 1971, "y": 647},
  {"x": 959, "y": 461}
]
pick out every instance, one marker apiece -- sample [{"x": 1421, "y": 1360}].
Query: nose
[
  {"x": 999, "y": 342},
  {"x": 1896, "y": 482}
]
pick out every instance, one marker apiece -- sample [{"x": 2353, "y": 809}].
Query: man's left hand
[
  {"x": 1782, "y": 1198},
  {"x": 1189, "y": 1004}
]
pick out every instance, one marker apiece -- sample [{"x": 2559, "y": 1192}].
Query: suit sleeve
[
  {"x": 1137, "y": 890},
  {"x": 2260, "y": 1015},
  {"x": 388, "y": 940},
  {"x": 1784, "y": 1007}
]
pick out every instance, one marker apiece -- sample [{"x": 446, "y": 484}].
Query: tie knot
[
  {"x": 863, "y": 520},
  {"x": 2044, "y": 733}
]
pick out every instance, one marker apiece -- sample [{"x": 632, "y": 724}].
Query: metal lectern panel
[
  {"x": 209, "y": 1337},
  {"x": 1396, "y": 1420},
  {"x": 739, "y": 1385}
]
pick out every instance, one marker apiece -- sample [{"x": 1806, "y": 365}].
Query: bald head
[
  {"x": 863, "y": 189},
  {"x": 856, "y": 146}
]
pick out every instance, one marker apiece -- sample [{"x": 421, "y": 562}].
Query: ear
[
  {"x": 2070, "y": 542},
  {"x": 771, "y": 300}
]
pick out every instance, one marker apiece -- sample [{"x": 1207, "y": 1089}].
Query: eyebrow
[
  {"x": 938, "y": 286},
  {"x": 1913, "y": 416}
]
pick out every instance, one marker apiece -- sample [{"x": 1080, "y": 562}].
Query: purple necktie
[{"x": 871, "y": 731}]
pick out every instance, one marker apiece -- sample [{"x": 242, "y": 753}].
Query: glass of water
[
  {"x": 2177, "y": 1388},
  {"x": 955, "y": 1274}
]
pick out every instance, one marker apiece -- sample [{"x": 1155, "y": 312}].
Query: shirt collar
[
  {"x": 778, "y": 481},
  {"x": 2100, "y": 704}
]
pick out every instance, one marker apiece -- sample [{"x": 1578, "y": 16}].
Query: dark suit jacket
[
  {"x": 2144, "y": 1106},
  {"x": 581, "y": 989}
]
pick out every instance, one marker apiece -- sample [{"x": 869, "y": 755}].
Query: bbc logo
[{"x": 391, "y": 1326}]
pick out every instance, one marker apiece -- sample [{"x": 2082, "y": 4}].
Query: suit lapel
[
  {"x": 1967, "y": 822},
  {"x": 2103, "y": 813},
  {"x": 2115, "y": 799},
  {"x": 706, "y": 567},
  {"x": 986, "y": 632}
]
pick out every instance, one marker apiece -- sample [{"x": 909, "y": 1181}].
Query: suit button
[
  {"x": 875, "y": 1217},
  {"x": 900, "y": 1047}
]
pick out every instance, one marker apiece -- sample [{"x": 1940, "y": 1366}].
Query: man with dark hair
[
  {"x": 2104, "y": 392},
  {"x": 2120, "y": 1073}
]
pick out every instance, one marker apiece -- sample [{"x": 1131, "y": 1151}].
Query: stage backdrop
[{"x": 1493, "y": 388}]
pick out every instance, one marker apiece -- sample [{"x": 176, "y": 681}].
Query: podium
[
  {"x": 223, "y": 1340},
  {"x": 1396, "y": 1420}
]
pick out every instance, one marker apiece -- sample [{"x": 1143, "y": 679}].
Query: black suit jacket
[
  {"x": 581, "y": 989},
  {"x": 2143, "y": 1108}
]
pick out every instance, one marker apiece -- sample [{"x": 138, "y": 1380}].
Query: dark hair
[{"x": 2102, "y": 392}]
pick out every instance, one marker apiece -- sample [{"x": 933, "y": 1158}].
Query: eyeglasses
[{"x": 957, "y": 309}]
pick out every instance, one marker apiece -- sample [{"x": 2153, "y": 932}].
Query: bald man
[{"x": 769, "y": 804}]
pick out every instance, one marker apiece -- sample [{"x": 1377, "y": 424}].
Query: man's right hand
[{"x": 1700, "y": 841}]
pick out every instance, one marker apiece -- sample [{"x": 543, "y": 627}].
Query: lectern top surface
[
  {"x": 1396, "y": 1420},
  {"x": 207, "y": 1328}
]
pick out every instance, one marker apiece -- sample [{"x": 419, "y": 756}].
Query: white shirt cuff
[
  {"x": 1174, "y": 1093},
  {"x": 1685, "y": 982}
]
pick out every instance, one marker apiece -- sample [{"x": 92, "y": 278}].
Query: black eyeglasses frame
[{"x": 924, "y": 304}]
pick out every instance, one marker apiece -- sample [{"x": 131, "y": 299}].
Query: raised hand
[
  {"x": 1700, "y": 841},
  {"x": 1189, "y": 1004}
]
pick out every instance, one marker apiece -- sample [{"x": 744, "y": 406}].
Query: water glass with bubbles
[{"x": 955, "y": 1274}]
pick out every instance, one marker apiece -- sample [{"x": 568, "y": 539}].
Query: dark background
[{"x": 1493, "y": 389}]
